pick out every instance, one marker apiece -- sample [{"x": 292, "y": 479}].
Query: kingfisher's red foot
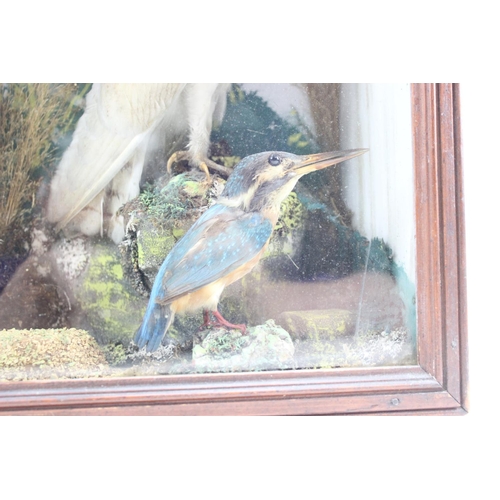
[{"x": 219, "y": 321}]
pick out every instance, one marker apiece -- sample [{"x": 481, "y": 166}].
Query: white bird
[{"x": 102, "y": 167}]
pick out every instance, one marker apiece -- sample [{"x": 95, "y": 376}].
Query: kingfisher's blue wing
[{"x": 222, "y": 240}]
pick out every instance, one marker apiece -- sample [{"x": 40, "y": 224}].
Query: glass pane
[{"x": 313, "y": 257}]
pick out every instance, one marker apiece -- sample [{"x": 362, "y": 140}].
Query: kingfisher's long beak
[{"x": 310, "y": 163}]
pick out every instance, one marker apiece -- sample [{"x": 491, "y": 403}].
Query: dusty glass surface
[{"x": 99, "y": 183}]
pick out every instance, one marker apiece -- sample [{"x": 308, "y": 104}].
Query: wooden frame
[{"x": 436, "y": 385}]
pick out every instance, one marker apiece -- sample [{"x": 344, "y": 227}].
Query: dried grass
[{"x": 31, "y": 116}]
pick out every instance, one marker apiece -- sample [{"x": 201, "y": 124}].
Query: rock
[
  {"x": 77, "y": 283},
  {"x": 51, "y": 353},
  {"x": 112, "y": 308},
  {"x": 8, "y": 266},
  {"x": 33, "y": 299},
  {"x": 104, "y": 289},
  {"x": 153, "y": 244},
  {"x": 264, "y": 347},
  {"x": 320, "y": 325},
  {"x": 161, "y": 215}
]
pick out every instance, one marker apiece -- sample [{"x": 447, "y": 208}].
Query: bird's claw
[
  {"x": 221, "y": 169},
  {"x": 203, "y": 165},
  {"x": 220, "y": 321},
  {"x": 176, "y": 157}
]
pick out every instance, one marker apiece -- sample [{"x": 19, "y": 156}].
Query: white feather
[{"x": 121, "y": 122}]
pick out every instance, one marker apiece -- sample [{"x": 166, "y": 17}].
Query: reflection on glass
[{"x": 98, "y": 183}]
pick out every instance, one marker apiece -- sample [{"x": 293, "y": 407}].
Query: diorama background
[{"x": 372, "y": 115}]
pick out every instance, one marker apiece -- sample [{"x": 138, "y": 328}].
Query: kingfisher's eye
[{"x": 274, "y": 160}]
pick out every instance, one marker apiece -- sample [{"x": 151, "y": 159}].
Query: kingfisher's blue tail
[{"x": 154, "y": 326}]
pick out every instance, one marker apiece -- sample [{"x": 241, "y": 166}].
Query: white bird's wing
[{"x": 118, "y": 119}]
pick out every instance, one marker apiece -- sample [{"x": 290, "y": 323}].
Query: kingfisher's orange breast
[{"x": 208, "y": 296}]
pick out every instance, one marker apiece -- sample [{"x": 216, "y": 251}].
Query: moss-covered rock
[
  {"x": 288, "y": 231},
  {"x": 111, "y": 286},
  {"x": 153, "y": 244},
  {"x": 319, "y": 325},
  {"x": 51, "y": 353},
  {"x": 161, "y": 215},
  {"x": 263, "y": 347},
  {"x": 111, "y": 306}
]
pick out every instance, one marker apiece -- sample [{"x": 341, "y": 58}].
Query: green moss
[
  {"x": 194, "y": 188},
  {"x": 115, "y": 354},
  {"x": 153, "y": 246},
  {"x": 224, "y": 345},
  {"x": 112, "y": 309},
  {"x": 291, "y": 218},
  {"x": 292, "y": 213},
  {"x": 298, "y": 140},
  {"x": 178, "y": 232},
  {"x": 173, "y": 201},
  {"x": 165, "y": 212},
  {"x": 117, "y": 271},
  {"x": 263, "y": 347}
]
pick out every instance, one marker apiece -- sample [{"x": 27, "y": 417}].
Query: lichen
[
  {"x": 172, "y": 199},
  {"x": 160, "y": 217},
  {"x": 116, "y": 354},
  {"x": 153, "y": 246},
  {"x": 287, "y": 229},
  {"x": 112, "y": 309},
  {"x": 263, "y": 347},
  {"x": 222, "y": 344},
  {"x": 72, "y": 256}
]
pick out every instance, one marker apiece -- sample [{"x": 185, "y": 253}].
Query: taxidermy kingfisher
[
  {"x": 227, "y": 241},
  {"x": 102, "y": 167}
]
